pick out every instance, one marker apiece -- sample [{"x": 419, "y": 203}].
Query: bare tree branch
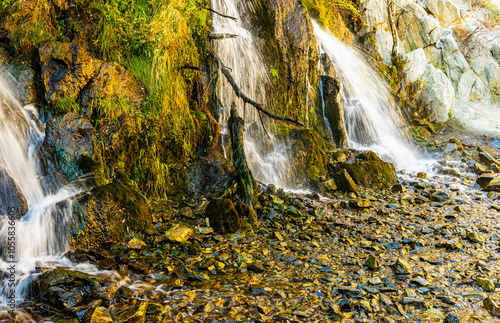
[
  {"x": 246, "y": 99},
  {"x": 221, "y": 36},
  {"x": 217, "y": 13}
]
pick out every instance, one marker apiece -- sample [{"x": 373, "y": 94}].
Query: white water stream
[
  {"x": 371, "y": 116},
  {"x": 40, "y": 236},
  {"x": 267, "y": 158}
]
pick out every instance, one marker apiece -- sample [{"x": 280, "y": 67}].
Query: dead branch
[
  {"x": 221, "y": 36},
  {"x": 246, "y": 99},
  {"x": 189, "y": 67},
  {"x": 217, "y": 13}
]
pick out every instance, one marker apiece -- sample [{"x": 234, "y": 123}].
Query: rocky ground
[{"x": 426, "y": 250}]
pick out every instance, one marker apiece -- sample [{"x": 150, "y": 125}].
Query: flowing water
[
  {"x": 267, "y": 157},
  {"x": 40, "y": 236},
  {"x": 371, "y": 116}
]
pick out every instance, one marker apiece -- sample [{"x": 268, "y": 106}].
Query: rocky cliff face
[{"x": 448, "y": 50}]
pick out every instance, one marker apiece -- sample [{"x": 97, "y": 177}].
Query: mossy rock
[
  {"x": 223, "y": 216},
  {"x": 368, "y": 170},
  {"x": 109, "y": 214},
  {"x": 65, "y": 289},
  {"x": 309, "y": 154}
]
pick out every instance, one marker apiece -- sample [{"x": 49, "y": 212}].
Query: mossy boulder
[
  {"x": 368, "y": 170},
  {"x": 69, "y": 146},
  {"x": 13, "y": 200},
  {"x": 345, "y": 182},
  {"x": 223, "y": 216},
  {"x": 109, "y": 214},
  {"x": 65, "y": 289}
]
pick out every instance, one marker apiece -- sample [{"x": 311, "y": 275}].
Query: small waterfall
[
  {"x": 41, "y": 234},
  {"x": 267, "y": 158},
  {"x": 370, "y": 113}
]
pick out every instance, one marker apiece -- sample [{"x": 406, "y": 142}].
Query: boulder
[
  {"x": 333, "y": 109},
  {"x": 65, "y": 289},
  {"x": 109, "y": 214},
  {"x": 416, "y": 64},
  {"x": 222, "y": 216},
  {"x": 69, "y": 146},
  {"x": 437, "y": 97},
  {"x": 207, "y": 174},
  {"x": 179, "y": 233},
  {"x": 13, "y": 200},
  {"x": 444, "y": 10},
  {"x": 368, "y": 170},
  {"x": 345, "y": 182},
  {"x": 308, "y": 154}
]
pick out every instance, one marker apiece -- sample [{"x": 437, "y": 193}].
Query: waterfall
[
  {"x": 370, "y": 114},
  {"x": 41, "y": 234},
  {"x": 267, "y": 157}
]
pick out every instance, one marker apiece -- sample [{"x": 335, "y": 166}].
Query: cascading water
[
  {"x": 41, "y": 234},
  {"x": 267, "y": 158},
  {"x": 371, "y": 117}
]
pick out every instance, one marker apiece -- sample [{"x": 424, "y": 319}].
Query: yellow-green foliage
[
  {"x": 328, "y": 14},
  {"x": 155, "y": 39}
]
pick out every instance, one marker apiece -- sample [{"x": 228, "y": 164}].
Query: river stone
[
  {"x": 13, "y": 201},
  {"x": 331, "y": 89},
  {"x": 136, "y": 243},
  {"x": 491, "y": 306},
  {"x": 179, "y": 233},
  {"x": 372, "y": 262},
  {"x": 401, "y": 267},
  {"x": 493, "y": 185},
  {"x": 368, "y": 170},
  {"x": 69, "y": 146},
  {"x": 487, "y": 159},
  {"x": 101, "y": 315},
  {"x": 444, "y": 10},
  {"x": 134, "y": 314},
  {"x": 65, "y": 289},
  {"x": 487, "y": 284},
  {"x": 223, "y": 216}
]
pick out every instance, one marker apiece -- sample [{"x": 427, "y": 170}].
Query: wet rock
[
  {"x": 101, "y": 315},
  {"x": 492, "y": 306},
  {"x": 13, "y": 201},
  {"x": 256, "y": 267},
  {"x": 69, "y": 146},
  {"x": 401, "y": 267},
  {"x": 398, "y": 188},
  {"x": 334, "y": 109},
  {"x": 487, "y": 284},
  {"x": 372, "y": 262},
  {"x": 360, "y": 204},
  {"x": 134, "y": 314},
  {"x": 420, "y": 281},
  {"x": 223, "y": 216},
  {"x": 493, "y": 185},
  {"x": 422, "y": 175},
  {"x": 65, "y": 289},
  {"x": 179, "y": 233},
  {"x": 485, "y": 179},
  {"x": 369, "y": 170},
  {"x": 109, "y": 214},
  {"x": 487, "y": 159},
  {"x": 136, "y": 243},
  {"x": 474, "y": 237},
  {"x": 209, "y": 173},
  {"x": 451, "y": 318},
  {"x": 345, "y": 182},
  {"x": 350, "y": 291},
  {"x": 66, "y": 69}
]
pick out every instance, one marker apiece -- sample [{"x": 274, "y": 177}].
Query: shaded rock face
[
  {"x": 20, "y": 76},
  {"x": 223, "y": 216},
  {"x": 69, "y": 146},
  {"x": 65, "y": 289},
  {"x": 209, "y": 173},
  {"x": 68, "y": 71},
  {"x": 334, "y": 109},
  {"x": 309, "y": 154},
  {"x": 109, "y": 214},
  {"x": 369, "y": 170},
  {"x": 13, "y": 200}
]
